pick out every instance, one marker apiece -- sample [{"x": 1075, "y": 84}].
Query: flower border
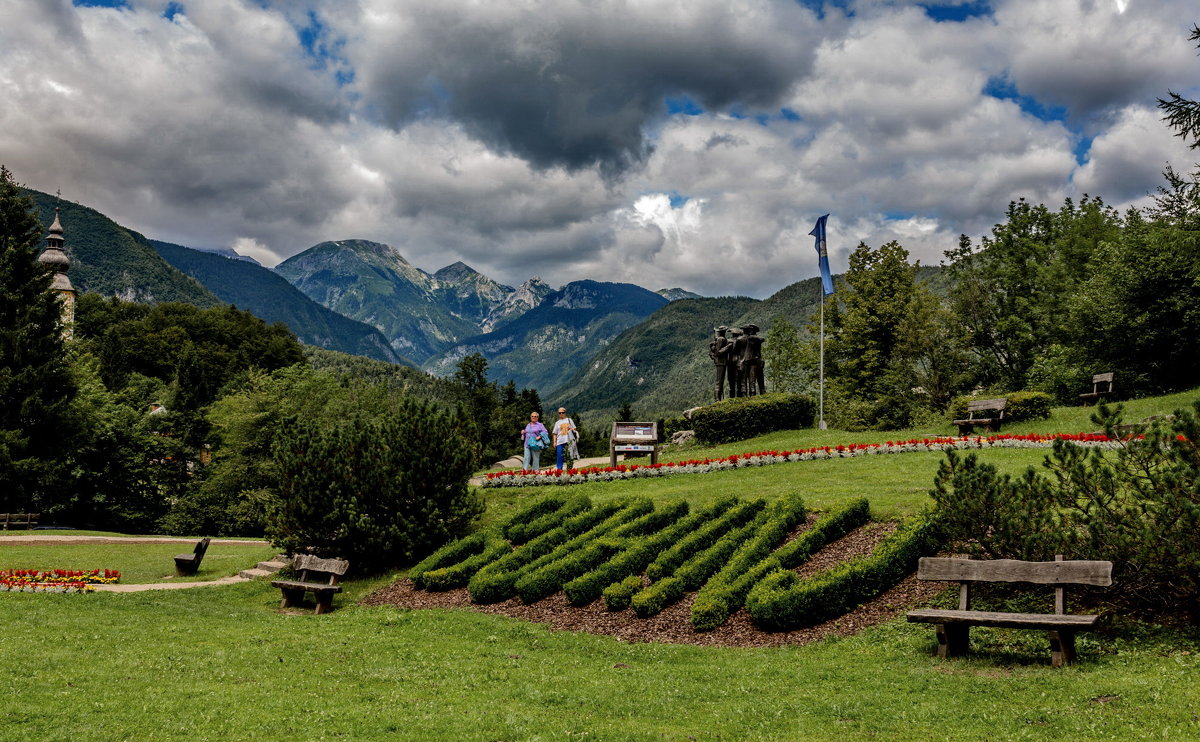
[
  {"x": 55, "y": 580},
  {"x": 551, "y": 476}
]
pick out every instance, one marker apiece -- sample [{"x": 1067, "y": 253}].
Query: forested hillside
[
  {"x": 269, "y": 296},
  {"x": 114, "y": 261}
]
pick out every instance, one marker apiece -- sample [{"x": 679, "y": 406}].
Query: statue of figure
[
  {"x": 752, "y": 364},
  {"x": 718, "y": 351},
  {"x": 737, "y": 351}
]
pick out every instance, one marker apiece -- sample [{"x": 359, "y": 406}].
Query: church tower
[{"x": 55, "y": 258}]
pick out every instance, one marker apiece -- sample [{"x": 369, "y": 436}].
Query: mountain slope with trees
[
  {"x": 543, "y": 347},
  {"x": 269, "y": 296},
  {"x": 111, "y": 260}
]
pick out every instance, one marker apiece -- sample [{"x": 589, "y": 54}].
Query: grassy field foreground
[
  {"x": 220, "y": 663},
  {"x": 224, "y": 663}
]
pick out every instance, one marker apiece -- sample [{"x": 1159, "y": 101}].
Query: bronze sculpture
[
  {"x": 718, "y": 351},
  {"x": 737, "y": 386},
  {"x": 752, "y": 363}
]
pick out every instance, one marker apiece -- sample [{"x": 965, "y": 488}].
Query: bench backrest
[
  {"x": 201, "y": 547},
  {"x": 1058, "y": 573},
  {"x": 1073, "y": 572},
  {"x": 1102, "y": 379},
  {"x": 330, "y": 569},
  {"x": 28, "y": 520},
  {"x": 986, "y": 405}
]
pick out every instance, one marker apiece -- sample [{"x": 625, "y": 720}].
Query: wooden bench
[
  {"x": 189, "y": 564},
  {"x": 954, "y": 626},
  {"x": 317, "y": 576},
  {"x": 24, "y": 520},
  {"x": 986, "y": 413},
  {"x": 1102, "y": 388}
]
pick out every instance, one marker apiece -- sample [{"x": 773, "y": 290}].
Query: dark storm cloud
[{"x": 575, "y": 84}]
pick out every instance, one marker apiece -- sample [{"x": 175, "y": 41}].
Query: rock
[
  {"x": 687, "y": 414},
  {"x": 509, "y": 463},
  {"x": 681, "y": 437}
]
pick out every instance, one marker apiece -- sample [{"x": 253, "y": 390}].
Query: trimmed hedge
[
  {"x": 695, "y": 571},
  {"x": 452, "y": 553},
  {"x": 782, "y": 601},
  {"x": 738, "y": 513},
  {"x": 543, "y": 516},
  {"x": 653, "y": 521},
  {"x": 618, "y": 594},
  {"x": 1021, "y": 406},
  {"x": 634, "y": 558},
  {"x": 497, "y": 581},
  {"x": 569, "y": 553},
  {"x": 458, "y": 573},
  {"x": 547, "y": 580},
  {"x": 745, "y": 417},
  {"x": 727, "y": 592}
]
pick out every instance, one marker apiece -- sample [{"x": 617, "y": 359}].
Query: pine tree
[{"x": 35, "y": 383}]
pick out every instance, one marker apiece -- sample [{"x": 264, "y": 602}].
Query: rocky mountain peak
[{"x": 456, "y": 272}]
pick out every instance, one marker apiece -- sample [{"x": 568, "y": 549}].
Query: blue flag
[{"x": 823, "y": 259}]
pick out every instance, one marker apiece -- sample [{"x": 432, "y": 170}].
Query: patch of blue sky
[
  {"x": 819, "y": 6},
  {"x": 678, "y": 199},
  {"x": 959, "y": 12},
  {"x": 898, "y": 216},
  {"x": 1003, "y": 89},
  {"x": 682, "y": 105},
  {"x": 100, "y": 3},
  {"x": 172, "y": 10}
]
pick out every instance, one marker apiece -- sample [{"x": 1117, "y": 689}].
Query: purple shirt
[{"x": 533, "y": 429}]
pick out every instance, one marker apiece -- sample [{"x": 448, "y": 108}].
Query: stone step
[
  {"x": 250, "y": 574},
  {"x": 273, "y": 565}
]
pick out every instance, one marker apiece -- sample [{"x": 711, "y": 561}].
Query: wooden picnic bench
[
  {"x": 1102, "y": 388},
  {"x": 24, "y": 520},
  {"x": 317, "y": 576},
  {"x": 189, "y": 564},
  {"x": 954, "y": 626},
  {"x": 986, "y": 413}
]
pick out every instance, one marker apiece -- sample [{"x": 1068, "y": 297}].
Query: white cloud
[{"x": 532, "y": 137}]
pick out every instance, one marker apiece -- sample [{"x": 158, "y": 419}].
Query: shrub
[
  {"x": 782, "y": 601},
  {"x": 693, "y": 573},
  {"x": 543, "y": 516},
  {"x": 745, "y": 417},
  {"x": 348, "y": 491},
  {"x": 618, "y": 594},
  {"x": 720, "y": 597},
  {"x": 702, "y": 538},
  {"x": 459, "y": 573},
  {"x": 497, "y": 581},
  {"x": 549, "y": 579},
  {"x": 1138, "y": 507},
  {"x": 584, "y": 589}
]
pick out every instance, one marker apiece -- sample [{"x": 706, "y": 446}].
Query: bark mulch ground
[{"x": 673, "y": 625}]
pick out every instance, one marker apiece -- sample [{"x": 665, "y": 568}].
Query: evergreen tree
[
  {"x": 1183, "y": 114},
  {"x": 784, "y": 359},
  {"x": 35, "y": 382}
]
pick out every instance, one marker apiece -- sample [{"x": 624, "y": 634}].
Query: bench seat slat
[
  {"x": 1003, "y": 620},
  {"x": 312, "y": 587}
]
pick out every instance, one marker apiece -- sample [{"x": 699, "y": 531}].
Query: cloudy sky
[{"x": 663, "y": 142}]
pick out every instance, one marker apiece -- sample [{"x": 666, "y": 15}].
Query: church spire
[{"x": 55, "y": 258}]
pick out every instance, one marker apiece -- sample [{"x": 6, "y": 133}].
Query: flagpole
[{"x": 821, "y": 423}]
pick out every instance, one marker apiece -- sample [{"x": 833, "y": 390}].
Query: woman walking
[
  {"x": 564, "y": 429},
  {"x": 535, "y": 437}
]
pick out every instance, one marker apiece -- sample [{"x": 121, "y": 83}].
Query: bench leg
[
  {"x": 324, "y": 603},
  {"x": 291, "y": 597},
  {"x": 953, "y": 639},
  {"x": 1062, "y": 647}
]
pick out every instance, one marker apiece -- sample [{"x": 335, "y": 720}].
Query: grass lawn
[
  {"x": 138, "y": 563},
  {"x": 223, "y": 663}
]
